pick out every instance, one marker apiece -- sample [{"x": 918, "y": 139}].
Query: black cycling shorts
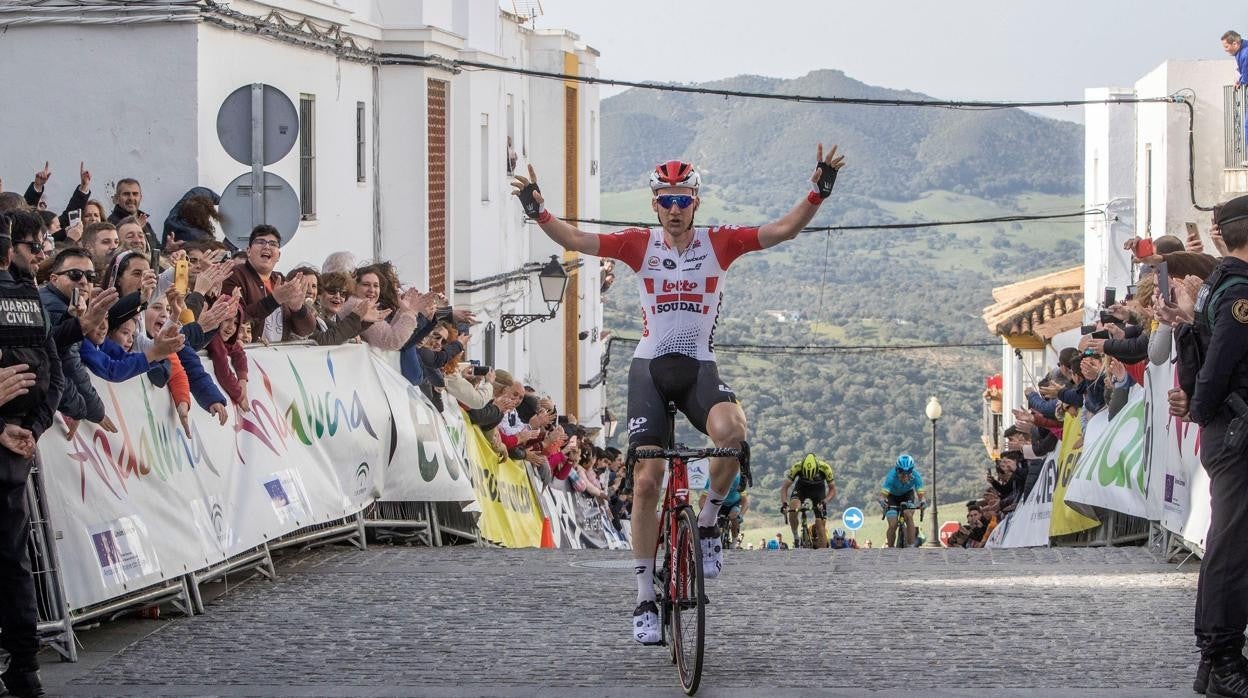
[
  {"x": 693, "y": 385},
  {"x": 896, "y": 500},
  {"x": 815, "y": 492}
]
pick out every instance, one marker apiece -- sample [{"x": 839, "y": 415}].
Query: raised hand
[
  {"x": 42, "y": 177},
  {"x": 826, "y": 168},
  {"x": 168, "y": 341},
  {"x": 147, "y": 286},
  {"x": 97, "y": 309},
  {"x": 221, "y": 310},
  {"x": 290, "y": 293},
  {"x": 84, "y": 178},
  {"x": 530, "y": 195}
]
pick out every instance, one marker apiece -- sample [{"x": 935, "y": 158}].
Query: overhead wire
[
  {"x": 816, "y": 349},
  {"x": 1020, "y": 218}
]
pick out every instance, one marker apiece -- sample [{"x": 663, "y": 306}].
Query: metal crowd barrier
[
  {"x": 1115, "y": 529},
  {"x": 424, "y": 523}
]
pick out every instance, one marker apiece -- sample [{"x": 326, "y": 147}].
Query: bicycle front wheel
[{"x": 688, "y": 601}]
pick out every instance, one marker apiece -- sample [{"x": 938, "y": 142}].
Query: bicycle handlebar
[{"x": 742, "y": 455}]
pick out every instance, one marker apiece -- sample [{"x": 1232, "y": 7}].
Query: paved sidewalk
[{"x": 474, "y": 621}]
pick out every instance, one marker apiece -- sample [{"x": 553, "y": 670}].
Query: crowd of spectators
[
  {"x": 1096, "y": 375},
  {"x": 126, "y": 303}
]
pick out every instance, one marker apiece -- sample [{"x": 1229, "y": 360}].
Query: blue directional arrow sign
[{"x": 853, "y": 518}]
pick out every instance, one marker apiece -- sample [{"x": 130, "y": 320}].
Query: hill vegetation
[{"x": 858, "y": 407}]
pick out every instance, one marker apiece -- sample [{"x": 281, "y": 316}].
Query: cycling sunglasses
[
  {"x": 76, "y": 275},
  {"x": 681, "y": 200}
]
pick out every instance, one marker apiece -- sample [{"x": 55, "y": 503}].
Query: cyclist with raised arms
[
  {"x": 680, "y": 273},
  {"x": 900, "y": 487},
  {"x": 811, "y": 479}
]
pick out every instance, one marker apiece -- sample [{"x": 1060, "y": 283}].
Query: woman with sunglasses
[
  {"x": 333, "y": 289},
  {"x": 680, "y": 272}
]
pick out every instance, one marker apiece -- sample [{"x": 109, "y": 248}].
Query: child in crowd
[
  {"x": 185, "y": 362},
  {"x": 229, "y": 361}
]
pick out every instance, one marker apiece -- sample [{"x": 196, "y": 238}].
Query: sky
[{"x": 954, "y": 49}]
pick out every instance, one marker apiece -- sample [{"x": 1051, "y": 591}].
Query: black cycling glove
[
  {"x": 827, "y": 178},
  {"x": 532, "y": 208}
]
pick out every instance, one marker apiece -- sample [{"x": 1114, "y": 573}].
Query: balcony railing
[{"x": 1233, "y": 120}]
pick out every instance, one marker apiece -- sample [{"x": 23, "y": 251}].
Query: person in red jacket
[{"x": 229, "y": 362}]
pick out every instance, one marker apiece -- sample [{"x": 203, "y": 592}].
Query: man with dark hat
[
  {"x": 1212, "y": 334},
  {"x": 26, "y": 337}
]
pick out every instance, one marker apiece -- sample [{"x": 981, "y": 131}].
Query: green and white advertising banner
[{"x": 1112, "y": 472}]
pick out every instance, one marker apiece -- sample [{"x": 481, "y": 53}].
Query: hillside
[{"x": 924, "y": 286}]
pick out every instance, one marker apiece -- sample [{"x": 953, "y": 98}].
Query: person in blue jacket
[{"x": 1233, "y": 44}]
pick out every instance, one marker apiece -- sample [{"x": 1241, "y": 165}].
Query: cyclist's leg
[
  {"x": 820, "y": 533},
  {"x": 794, "y": 504},
  {"x": 892, "y": 522},
  {"x": 712, "y": 409},
  {"x": 647, "y": 427},
  {"x": 912, "y": 530}
]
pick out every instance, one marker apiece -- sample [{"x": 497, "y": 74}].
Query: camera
[
  {"x": 1100, "y": 334},
  {"x": 1087, "y": 329},
  {"x": 481, "y": 370}
]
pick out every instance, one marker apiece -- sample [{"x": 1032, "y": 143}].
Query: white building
[
  {"x": 1144, "y": 170},
  {"x": 400, "y": 158}
]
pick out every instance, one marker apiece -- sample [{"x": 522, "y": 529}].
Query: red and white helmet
[{"x": 674, "y": 173}]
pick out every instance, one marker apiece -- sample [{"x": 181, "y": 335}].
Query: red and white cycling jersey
[{"x": 680, "y": 293}]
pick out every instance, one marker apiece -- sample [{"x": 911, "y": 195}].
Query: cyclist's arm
[
  {"x": 569, "y": 237},
  {"x": 788, "y": 226},
  {"x": 784, "y": 490}
]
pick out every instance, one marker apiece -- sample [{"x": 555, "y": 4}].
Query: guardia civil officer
[
  {"x": 26, "y": 348},
  {"x": 1213, "y": 375}
]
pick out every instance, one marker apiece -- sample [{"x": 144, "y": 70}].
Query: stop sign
[{"x": 947, "y": 529}]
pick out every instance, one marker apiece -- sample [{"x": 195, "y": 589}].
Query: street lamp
[
  {"x": 933, "y": 413},
  {"x": 554, "y": 282}
]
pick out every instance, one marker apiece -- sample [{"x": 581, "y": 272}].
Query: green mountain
[{"x": 876, "y": 288}]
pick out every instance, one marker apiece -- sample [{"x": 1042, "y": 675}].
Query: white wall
[
  {"x": 121, "y": 98},
  {"x": 229, "y": 60},
  {"x": 1109, "y": 184},
  {"x": 1165, "y": 127}
]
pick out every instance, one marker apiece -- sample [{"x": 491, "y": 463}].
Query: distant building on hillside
[{"x": 404, "y": 159}]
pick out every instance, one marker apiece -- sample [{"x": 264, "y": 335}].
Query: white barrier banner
[
  {"x": 1028, "y": 525},
  {"x": 1183, "y": 493},
  {"x": 428, "y": 464},
  {"x": 576, "y": 521},
  {"x": 1112, "y": 472},
  {"x": 151, "y": 502}
]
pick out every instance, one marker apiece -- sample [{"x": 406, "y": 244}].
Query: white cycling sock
[
  {"x": 710, "y": 510},
  {"x": 644, "y": 571}
]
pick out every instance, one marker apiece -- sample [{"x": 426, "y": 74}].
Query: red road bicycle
[{"x": 679, "y": 583}]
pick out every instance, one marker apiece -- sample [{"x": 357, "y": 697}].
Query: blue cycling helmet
[
  {"x": 838, "y": 533},
  {"x": 905, "y": 464}
]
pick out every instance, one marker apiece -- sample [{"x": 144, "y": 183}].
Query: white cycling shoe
[
  {"x": 712, "y": 551},
  {"x": 646, "y": 628}
]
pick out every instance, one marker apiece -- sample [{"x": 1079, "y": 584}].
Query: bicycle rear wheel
[{"x": 688, "y": 602}]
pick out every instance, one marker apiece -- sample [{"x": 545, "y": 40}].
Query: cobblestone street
[{"x": 471, "y": 621}]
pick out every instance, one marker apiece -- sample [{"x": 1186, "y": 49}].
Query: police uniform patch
[{"x": 1239, "y": 311}]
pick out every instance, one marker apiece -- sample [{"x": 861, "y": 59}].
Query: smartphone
[
  {"x": 1131, "y": 292},
  {"x": 74, "y": 216},
  {"x": 181, "y": 275},
  {"x": 1163, "y": 283},
  {"x": 443, "y": 313},
  {"x": 1111, "y": 295},
  {"x": 75, "y": 297},
  {"x": 154, "y": 260},
  {"x": 1193, "y": 233},
  {"x": 480, "y": 370},
  {"x": 1144, "y": 248},
  {"x": 1100, "y": 334},
  {"x": 1087, "y": 329}
]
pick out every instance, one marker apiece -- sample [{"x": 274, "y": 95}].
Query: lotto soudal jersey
[{"x": 680, "y": 292}]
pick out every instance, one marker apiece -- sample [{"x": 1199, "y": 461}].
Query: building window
[
  {"x": 307, "y": 156},
  {"x": 524, "y": 132},
  {"x": 361, "y": 173},
  {"x": 485, "y": 157},
  {"x": 511, "y": 135}
]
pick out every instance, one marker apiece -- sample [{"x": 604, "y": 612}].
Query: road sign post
[{"x": 947, "y": 529}]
